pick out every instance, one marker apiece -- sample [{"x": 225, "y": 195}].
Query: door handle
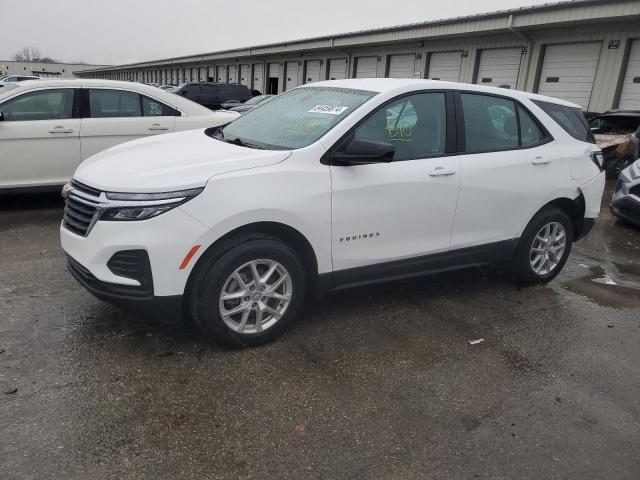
[
  {"x": 540, "y": 161},
  {"x": 61, "y": 129},
  {"x": 157, "y": 126},
  {"x": 441, "y": 171}
]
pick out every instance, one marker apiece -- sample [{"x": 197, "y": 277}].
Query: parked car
[
  {"x": 626, "y": 199},
  {"x": 167, "y": 87},
  {"x": 48, "y": 127},
  {"x": 252, "y": 103},
  {"x": 213, "y": 95},
  {"x": 327, "y": 186},
  {"x": 17, "y": 78},
  {"x": 612, "y": 131}
]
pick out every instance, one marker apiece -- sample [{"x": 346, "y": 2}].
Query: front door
[
  {"x": 117, "y": 116},
  {"x": 39, "y": 138},
  {"x": 390, "y": 211}
]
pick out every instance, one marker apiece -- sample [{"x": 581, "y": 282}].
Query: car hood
[{"x": 169, "y": 162}]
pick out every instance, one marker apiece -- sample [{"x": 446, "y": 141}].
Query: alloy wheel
[
  {"x": 255, "y": 296},
  {"x": 548, "y": 248}
]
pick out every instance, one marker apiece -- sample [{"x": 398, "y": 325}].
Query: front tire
[
  {"x": 250, "y": 293},
  {"x": 543, "y": 248}
]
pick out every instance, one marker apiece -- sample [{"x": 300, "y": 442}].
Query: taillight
[{"x": 596, "y": 157}]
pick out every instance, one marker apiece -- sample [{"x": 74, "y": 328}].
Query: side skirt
[{"x": 414, "y": 267}]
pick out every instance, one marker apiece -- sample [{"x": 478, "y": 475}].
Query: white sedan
[{"x": 47, "y": 127}]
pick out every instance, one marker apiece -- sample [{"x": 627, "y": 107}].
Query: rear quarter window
[{"x": 570, "y": 119}]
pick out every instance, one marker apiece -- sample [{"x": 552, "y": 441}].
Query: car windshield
[
  {"x": 618, "y": 124},
  {"x": 295, "y": 119}
]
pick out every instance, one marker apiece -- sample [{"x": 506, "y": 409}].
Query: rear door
[
  {"x": 507, "y": 171},
  {"x": 114, "y": 116},
  {"x": 40, "y": 137}
]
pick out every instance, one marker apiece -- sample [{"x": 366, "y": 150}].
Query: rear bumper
[{"x": 129, "y": 297}]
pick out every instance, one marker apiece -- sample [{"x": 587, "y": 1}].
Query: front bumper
[
  {"x": 166, "y": 239},
  {"x": 625, "y": 203},
  {"x": 129, "y": 297}
]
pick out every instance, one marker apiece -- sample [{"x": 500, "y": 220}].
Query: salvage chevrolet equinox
[{"x": 332, "y": 185}]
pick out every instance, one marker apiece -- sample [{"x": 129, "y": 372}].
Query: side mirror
[{"x": 362, "y": 152}]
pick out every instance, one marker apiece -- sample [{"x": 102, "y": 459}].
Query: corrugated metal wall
[{"x": 488, "y": 33}]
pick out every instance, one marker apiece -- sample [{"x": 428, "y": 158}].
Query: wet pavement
[{"x": 374, "y": 383}]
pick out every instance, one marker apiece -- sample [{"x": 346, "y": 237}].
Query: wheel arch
[
  {"x": 285, "y": 233},
  {"x": 574, "y": 208}
]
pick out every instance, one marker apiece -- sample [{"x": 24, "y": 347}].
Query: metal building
[
  {"x": 45, "y": 70},
  {"x": 586, "y": 51}
]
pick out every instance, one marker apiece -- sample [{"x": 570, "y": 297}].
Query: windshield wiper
[{"x": 242, "y": 143}]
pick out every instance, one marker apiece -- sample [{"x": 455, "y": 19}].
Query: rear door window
[
  {"x": 490, "y": 123},
  {"x": 104, "y": 103},
  {"x": 530, "y": 131},
  {"x": 154, "y": 108},
  {"x": 570, "y": 119}
]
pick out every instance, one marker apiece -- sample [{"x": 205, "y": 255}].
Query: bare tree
[{"x": 31, "y": 54}]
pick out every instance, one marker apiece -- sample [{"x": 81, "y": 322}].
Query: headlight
[{"x": 141, "y": 206}]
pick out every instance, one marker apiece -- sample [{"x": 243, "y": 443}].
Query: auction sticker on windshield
[{"x": 330, "y": 109}]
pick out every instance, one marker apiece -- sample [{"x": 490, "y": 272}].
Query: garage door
[
  {"x": 337, "y": 68},
  {"x": 313, "y": 71},
  {"x": 291, "y": 75},
  {"x": 258, "y": 76},
  {"x": 366, "y": 67},
  {"x": 445, "y": 66},
  {"x": 401, "y": 66},
  {"x": 233, "y": 76},
  {"x": 568, "y": 71},
  {"x": 630, "y": 96},
  {"x": 222, "y": 74},
  {"x": 499, "y": 67},
  {"x": 245, "y": 74}
]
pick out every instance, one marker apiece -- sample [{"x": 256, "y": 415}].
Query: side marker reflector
[{"x": 189, "y": 256}]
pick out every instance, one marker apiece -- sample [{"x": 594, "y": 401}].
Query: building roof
[{"x": 563, "y": 12}]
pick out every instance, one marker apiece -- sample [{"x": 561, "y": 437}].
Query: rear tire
[
  {"x": 543, "y": 248},
  {"x": 248, "y": 293}
]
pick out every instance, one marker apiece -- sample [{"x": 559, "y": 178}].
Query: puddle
[{"x": 605, "y": 290}]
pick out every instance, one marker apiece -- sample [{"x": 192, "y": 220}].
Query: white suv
[{"x": 332, "y": 185}]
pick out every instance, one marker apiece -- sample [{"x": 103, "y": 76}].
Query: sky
[{"x": 127, "y": 31}]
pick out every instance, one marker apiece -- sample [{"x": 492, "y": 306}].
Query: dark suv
[{"x": 212, "y": 95}]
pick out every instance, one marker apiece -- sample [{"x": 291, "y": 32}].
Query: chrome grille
[{"x": 80, "y": 208}]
